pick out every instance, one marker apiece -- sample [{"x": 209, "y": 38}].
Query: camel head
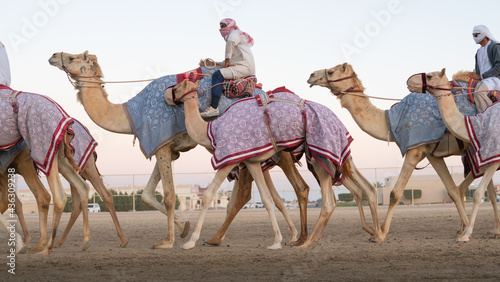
[
  {"x": 338, "y": 79},
  {"x": 186, "y": 90},
  {"x": 78, "y": 66},
  {"x": 432, "y": 81}
]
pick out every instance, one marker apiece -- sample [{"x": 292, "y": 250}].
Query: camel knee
[{"x": 395, "y": 197}]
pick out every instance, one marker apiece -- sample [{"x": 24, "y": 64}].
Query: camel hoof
[
  {"x": 275, "y": 246},
  {"x": 22, "y": 250},
  {"x": 86, "y": 245},
  {"x": 124, "y": 243},
  {"x": 213, "y": 242},
  {"x": 163, "y": 246},
  {"x": 188, "y": 245},
  {"x": 185, "y": 230},
  {"x": 493, "y": 235},
  {"x": 38, "y": 248},
  {"x": 58, "y": 244},
  {"x": 45, "y": 251}
]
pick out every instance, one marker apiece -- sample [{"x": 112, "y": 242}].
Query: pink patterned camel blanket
[
  {"x": 83, "y": 144},
  {"x": 484, "y": 133},
  {"x": 37, "y": 119},
  {"x": 241, "y": 132}
]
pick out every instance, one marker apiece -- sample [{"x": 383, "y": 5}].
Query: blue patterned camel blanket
[
  {"x": 37, "y": 119},
  {"x": 416, "y": 119},
  {"x": 155, "y": 123},
  {"x": 241, "y": 132}
]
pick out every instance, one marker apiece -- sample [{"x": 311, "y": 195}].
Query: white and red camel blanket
[
  {"x": 37, "y": 119},
  {"x": 241, "y": 132},
  {"x": 484, "y": 133}
]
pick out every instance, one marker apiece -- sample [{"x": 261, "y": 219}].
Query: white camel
[
  {"x": 344, "y": 83},
  {"x": 197, "y": 129},
  {"x": 437, "y": 85}
]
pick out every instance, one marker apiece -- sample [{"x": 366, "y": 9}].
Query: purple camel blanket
[
  {"x": 37, "y": 119},
  {"x": 241, "y": 132},
  {"x": 484, "y": 133}
]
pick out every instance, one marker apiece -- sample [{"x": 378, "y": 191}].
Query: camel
[
  {"x": 344, "y": 83},
  {"x": 20, "y": 246},
  {"x": 198, "y": 130},
  {"x": 437, "y": 85},
  {"x": 112, "y": 117},
  {"x": 29, "y": 109}
]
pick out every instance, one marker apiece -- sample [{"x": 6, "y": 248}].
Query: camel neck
[
  {"x": 105, "y": 114},
  {"x": 452, "y": 117},
  {"x": 195, "y": 125},
  {"x": 369, "y": 118}
]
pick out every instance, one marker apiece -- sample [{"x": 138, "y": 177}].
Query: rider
[
  {"x": 238, "y": 62},
  {"x": 4, "y": 66},
  {"x": 487, "y": 66}
]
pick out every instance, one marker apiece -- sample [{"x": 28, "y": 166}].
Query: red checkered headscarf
[{"x": 230, "y": 26}]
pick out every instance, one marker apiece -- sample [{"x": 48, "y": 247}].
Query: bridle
[
  {"x": 77, "y": 82},
  {"x": 426, "y": 86},
  {"x": 178, "y": 99},
  {"x": 349, "y": 90}
]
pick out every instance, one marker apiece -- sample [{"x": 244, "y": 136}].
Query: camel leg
[
  {"x": 59, "y": 199},
  {"x": 76, "y": 209},
  {"x": 301, "y": 191},
  {"x": 164, "y": 162},
  {"x": 278, "y": 202},
  {"x": 149, "y": 198},
  {"x": 242, "y": 190},
  {"x": 205, "y": 203},
  {"x": 478, "y": 196},
  {"x": 453, "y": 191},
  {"x": 412, "y": 158},
  {"x": 22, "y": 222},
  {"x": 328, "y": 204},
  {"x": 462, "y": 188},
  {"x": 495, "y": 233},
  {"x": 21, "y": 248},
  {"x": 93, "y": 176}
]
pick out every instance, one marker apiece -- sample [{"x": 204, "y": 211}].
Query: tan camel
[
  {"x": 23, "y": 165},
  {"x": 112, "y": 117},
  {"x": 438, "y": 86},
  {"x": 197, "y": 129},
  {"x": 343, "y": 82}
]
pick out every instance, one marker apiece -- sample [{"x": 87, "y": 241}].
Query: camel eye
[
  {"x": 428, "y": 76},
  {"x": 71, "y": 58},
  {"x": 330, "y": 72}
]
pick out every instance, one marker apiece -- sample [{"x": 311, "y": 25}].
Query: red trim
[
  {"x": 279, "y": 89},
  {"x": 7, "y": 147},
  {"x": 5, "y": 87}
]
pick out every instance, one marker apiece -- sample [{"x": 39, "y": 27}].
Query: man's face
[{"x": 223, "y": 25}]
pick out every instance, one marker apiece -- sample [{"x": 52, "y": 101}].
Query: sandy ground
[{"x": 420, "y": 246}]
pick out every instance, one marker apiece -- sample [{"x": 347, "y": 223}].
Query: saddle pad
[
  {"x": 240, "y": 133},
  {"x": 484, "y": 133},
  {"x": 155, "y": 123},
  {"x": 41, "y": 122},
  {"x": 416, "y": 119}
]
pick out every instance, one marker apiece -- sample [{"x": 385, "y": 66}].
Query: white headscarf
[{"x": 483, "y": 31}]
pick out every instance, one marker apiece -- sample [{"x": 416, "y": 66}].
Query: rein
[{"x": 352, "y": 91}]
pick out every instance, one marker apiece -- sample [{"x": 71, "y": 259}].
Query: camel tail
[
  {"x": 69, "y": 150},
  {"x": 346, "y": 168}
]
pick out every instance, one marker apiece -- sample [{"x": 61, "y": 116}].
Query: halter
[
  {"x": 76, "y": 77},
  {"x": 349, "y": 90},
  {"x": 177, "y": 99},
  {"x": 426, "y": 86}
]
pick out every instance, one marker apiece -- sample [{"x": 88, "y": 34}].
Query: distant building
[{"x": 433, "y": 190}]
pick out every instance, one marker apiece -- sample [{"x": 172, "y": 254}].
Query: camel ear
[
  {"x": 197, "y": 84},
  {"x": 344, "y": 67},
  {"x": 85, "y": 55},
  {"x": 443, "y": 72}
]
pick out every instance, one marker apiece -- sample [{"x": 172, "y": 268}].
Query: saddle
[{"x": 240, "y": 87}]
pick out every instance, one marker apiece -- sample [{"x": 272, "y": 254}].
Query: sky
[{"x": 385, "y": 41}]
